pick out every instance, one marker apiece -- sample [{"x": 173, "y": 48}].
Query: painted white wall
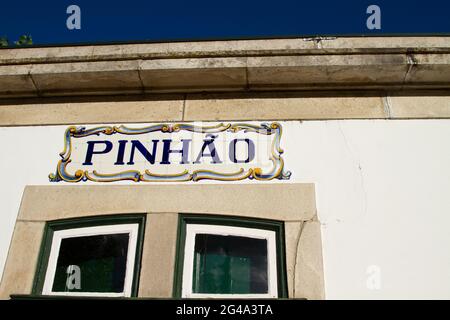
[{"x": 382, "y": 189}]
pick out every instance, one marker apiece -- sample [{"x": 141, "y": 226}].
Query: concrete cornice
[{"x": 382, "y": 63}]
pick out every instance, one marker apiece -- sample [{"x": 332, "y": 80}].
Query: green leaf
[
  {"x": 24, "y": 40},
  {"x": 4, "y": 42}
]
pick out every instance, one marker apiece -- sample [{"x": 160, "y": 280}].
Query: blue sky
[{"x": 140, "y": 20}]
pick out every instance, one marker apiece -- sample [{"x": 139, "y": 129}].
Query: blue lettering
[
  {"x": 212, "y": 151},
  {"x": 136, "y": 144},
  {"x": 167, "y": 151},
  {"x": 121, "y": 152},
  {"x": 250, "y": 151},
  {"x": 90, "y": 150}
]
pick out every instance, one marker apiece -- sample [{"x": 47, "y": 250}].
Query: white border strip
[
  {"x": 58, "y": 236},
  {"x": 188, "y": 266}
]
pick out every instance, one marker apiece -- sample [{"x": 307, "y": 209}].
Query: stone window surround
[{"x": 294, "y": 205}]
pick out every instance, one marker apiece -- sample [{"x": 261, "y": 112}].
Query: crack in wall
[
  {"x": 140, "y": 77},
  {"x": 247, "y": 83},
  {"x": 358, "y": 162},
  {"x": 387, "y": 106},
  {"x": 411, "y": 62},
  {"x": 297, "y": 244},
  {"x": 38, "y": 92},
  {"x": 297, "y": 248},
  {"x": 318, "y": 41},
  {"x": 184, "y": 107}
]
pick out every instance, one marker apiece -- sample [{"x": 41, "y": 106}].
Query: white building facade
[{"x": 254, "y": 168}]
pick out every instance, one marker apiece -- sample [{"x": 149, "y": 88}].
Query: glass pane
[
  {"x": 229, "y": 264},
  {"x": 92, "y": 264}
]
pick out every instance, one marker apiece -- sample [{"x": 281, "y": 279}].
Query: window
[
  {"x": 230, "y": 257},
  {"x": 91, "y": 257}
]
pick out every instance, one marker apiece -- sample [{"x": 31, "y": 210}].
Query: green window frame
[
  {"x": 228, "y": 221},
  {"x": 136, "y": 221}
]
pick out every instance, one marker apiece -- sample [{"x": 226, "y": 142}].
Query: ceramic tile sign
[{"x": 172, "y": 152}]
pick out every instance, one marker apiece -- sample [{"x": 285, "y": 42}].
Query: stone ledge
[
  {"x": 225, "y": 48},
  {"x": 239, "y": 65},
  {"x": 159, "y": 108},
  {"x": 419, "y": 107},
  {"x": 286, "y": 106},
  {"x": 226, "y": 107}
]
